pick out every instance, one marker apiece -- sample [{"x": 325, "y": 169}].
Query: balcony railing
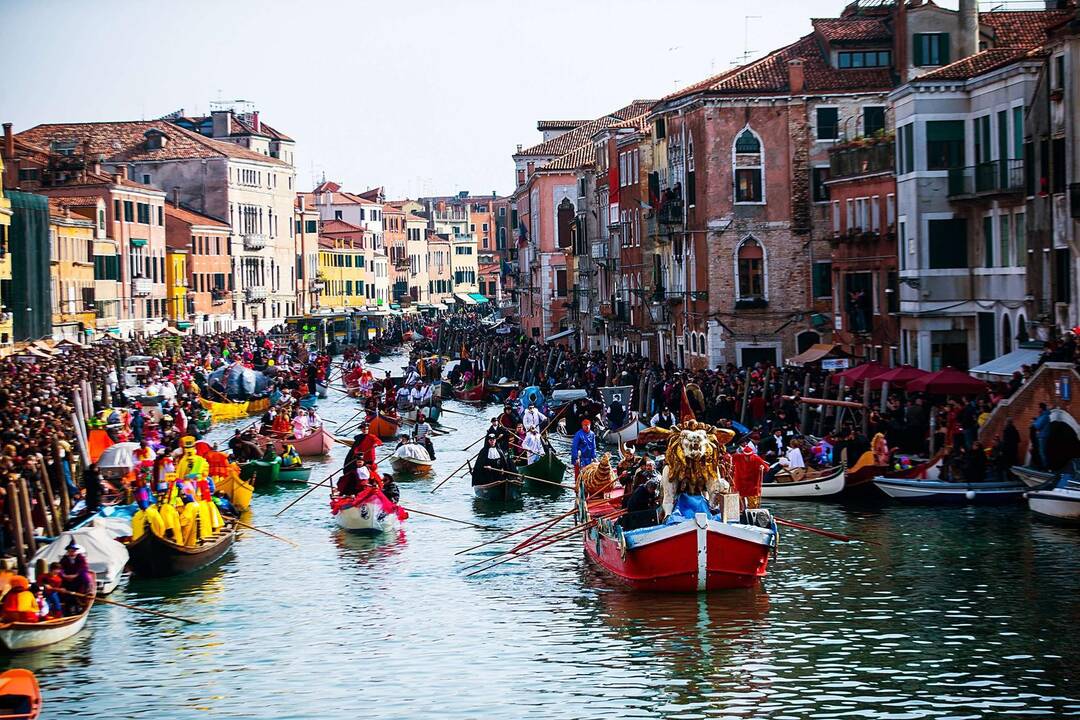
[
  {"x": 671, "y": 212},
  {"x": 254, "y": 241},
  {"x": 255, "y": 294},
  {"x": 996, "y": 177},
  {"x": 859, "y": 160},
  {"x": 141, "y": 286}
]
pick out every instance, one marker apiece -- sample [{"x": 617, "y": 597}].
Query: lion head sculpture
[
  {"x": 696, "y": 463},
  {"x": 597, "y": 475}
]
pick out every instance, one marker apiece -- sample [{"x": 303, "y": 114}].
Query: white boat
[
  {"x": 105, "y": 556},
  {"x": 412, "y": 458},
  {"x": 931, "y": 491},
  {"x": 1033, "y": 478},
  {"x": 18, "y": 636},
  {"x": 827, "y": 482},
  {"x": 1058, "y": 503},
  {"x": 628, "y": 433},
  {"x": 367, "y": 519}
]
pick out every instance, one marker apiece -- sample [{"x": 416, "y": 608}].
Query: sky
[{"x": 426, "y": 97}]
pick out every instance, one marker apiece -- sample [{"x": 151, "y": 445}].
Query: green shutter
[
  {"x": 919, "y": 50},
  {"x": 943, "y": 48}
]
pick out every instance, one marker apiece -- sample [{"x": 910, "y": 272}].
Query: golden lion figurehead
[{"x": 696, "y": 462}]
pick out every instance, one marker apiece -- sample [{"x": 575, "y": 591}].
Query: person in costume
[
  {"x": 880, "y": 448},
  {"x": 583, "y": 448},
  {"x": 76, "y": 577},
  {"x": 748, "y": 470},
  {"x": 488, "y": 462},
  {"x": 533, "y": 443},
  {"x": 191, "y": 464},
  {"x": 19, "y": 603},
  {"x": 290, "y": 458},
  {"x": 532, "y": 418}
]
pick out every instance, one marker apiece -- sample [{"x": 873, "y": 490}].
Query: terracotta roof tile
[
  {"x": 194, "y": 218},
  {"x": 582, "y": 133},
  {"x": 859, "y": 29},
  {"x": 558, "y": 124},
  {"x": 577, "y": 158},
  {"x": 126, "y": 141},
  {"x": 338, "y": 227},
  {"x": 975, "y": 65}
]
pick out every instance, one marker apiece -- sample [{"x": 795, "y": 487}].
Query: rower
[
  {"x": 616, "y": 412},
  {"x": 290, "y": 458},
  {"x": 488, "y": 462},
  {"x": 423, "y": 434},
  {"x": 583, "y": 448},
  {"x": 532, "y": 418},
  {"x": 417, "y": 394},
  {"x": 663, "y": 419}
]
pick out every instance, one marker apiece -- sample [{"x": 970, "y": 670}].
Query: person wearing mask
[
  {"x": 488, "y": 463},
  {"x": 532, "y": 418},
  {"x": 533, "y": 445}
]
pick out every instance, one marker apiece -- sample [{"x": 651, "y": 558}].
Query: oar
[
  {"x": 516, "y": 532},
  {"x": 125, "y": 605},
  {"x": 241, "y": 523},
  {"x": 459, "y": 467},
  {"x": 443, "y": 517},
  {"x": 310, "y": 490},
  {"x": 532, "y": 538},
  {"x": 550, "y": 541},
  {"x": 530, "y": 477},
  {"x": 819, "y": 531},
  {"x": 557, "y": 535}
]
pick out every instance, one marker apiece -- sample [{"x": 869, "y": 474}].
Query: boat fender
[
  {"x": 970, "y": 495},
  {"x": 620, "y": 536}
]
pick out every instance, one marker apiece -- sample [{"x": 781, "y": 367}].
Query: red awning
[
  {"x": 861, "y": 372},
  {"x": 897, "y": 377},
  {"x": 948, "y": 382}
]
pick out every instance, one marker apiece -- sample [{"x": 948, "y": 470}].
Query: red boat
[
  {"x": 696, "y": 555},
  {"x": 474, "y": 394}
]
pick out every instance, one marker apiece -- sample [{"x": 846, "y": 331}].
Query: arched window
[
  {"x": 1006, "y": 334},
  {"x": 1021, "y": 328},
  {"x": 693, "y": 343},
  {"x": 748, "y": 168},
  {"x": 702, "y": 344},
  {"x": 750, "y": 271},
  {"x": 805, "y": 339}
]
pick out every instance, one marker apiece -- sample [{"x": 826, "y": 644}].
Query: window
[
  {"x": 822, "y": 279},
  {"x": 749, "y": 163},
  {"x": 129, "y": 211},
  {"x": 751, "y": 270},
  {"x": 947, "y": 243},
  {"x": 661, "y": 129},
  {"x": 864, "y": 59},
  {"x": 836, "y": 216},
  {"x": 1059, "y": 72},
  {"x": 820, "y": 189},
  {"x": 890, "y": 211},
  {"x": 560, "y": 282},
  {"x": 873, "y": 120},
  {"x": 1004, "y": 240},
  {"x": 747, "y": 143},
  {"x": 29, "y": 174},
  {"x": 931, "y": 49},
  {"x": 988, "y": 241},
  {"x": 311, "y": 226},
  {"x": 1020, "y": 231},
  {"x": 907, "y": 149},
  {"x": 901, "y": 236},
  {"x": 161, "y": 216},
  {"x": 337, "y": 214},
  {"x": 944, "y": 144},
  {"x": 828, "y": 123},
  {"x": 875, "y": 213},
  {"x": 981, "y": 128},
  {"x": 1018, "y": 132}
]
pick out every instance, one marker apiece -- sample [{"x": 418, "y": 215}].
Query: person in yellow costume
[
  {"x": 191, "y": 463},
  {"x": 190, "y": 522},
  {"x": 290, "y": 457}
]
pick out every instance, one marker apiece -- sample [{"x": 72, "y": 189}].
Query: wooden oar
[
  {"x": 448, "y": 477},
  {"x": 819, "y": 531},
  {"x": 557, "y": 535},
  {"x": 554, "y": 418},
  {"x": 100, "y": 599},
  {"x": 550, "y": 541},
  {"x": 241, "y": 523},
  {"x": 443, "y": 517},
  {"x": 516, "y": 532},
  {"x": 535, "y": 479},
  {"x": 532, "y": 538},
  {"x": 323, "y": 483}
]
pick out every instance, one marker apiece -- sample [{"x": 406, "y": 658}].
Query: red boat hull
[
  {"x": 693, "y": 556},
  {"x": 473, "y": 394}
]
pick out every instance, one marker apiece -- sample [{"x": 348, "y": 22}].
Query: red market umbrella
[
  {"x": 948, "y": 381},
  {"x": 897, "y": 377},
  {"x": 861, "y": 372}
]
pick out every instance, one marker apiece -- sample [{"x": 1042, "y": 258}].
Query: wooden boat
[
  {"x": 384, "y": 427},
  {"x": 18, "y": 636},
  {"x": 315, "y": 444},
  {"x": 934, "y": 491},
  {"x": 411, "y": 458},
  {"x": 628, "y": 433},
  {"x": 20, "y": 695},
  {"x": 475, "y": 394},
  {"x": 859, "y": 479},
  {"x": 373, "y": 357},
  {"x": 239, "y": 491},
  {"x": 367, "y": 519},
  {"x": 816, "y": 483},
  {"x": 156, "y": 557},
  {"x": 498, "y": 491},
  {"x": 500, "y": 391},
  {"x": 695, "y": 555},
  {"x": 549, "y": 469},
  {"x": 294, "y": 474},
  {"x": 261, "y": 472},
  {"x": 1060, "y": 504},
  {"x": 225, "y": 411},
  {"x": 1033, "y": 478}
]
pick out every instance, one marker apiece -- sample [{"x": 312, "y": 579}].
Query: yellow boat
[
  {"x": 238, "y": 489},
  {"x": 226, "y": 411}
]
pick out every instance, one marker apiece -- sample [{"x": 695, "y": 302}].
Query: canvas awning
[
  {"x": 480, "y": 299},
  {"x": 817, "y": 353},
  {"x": 559, "y": 335},
  {"x": 464, "y": 298},
  {"x": 1003, "y": 367}
]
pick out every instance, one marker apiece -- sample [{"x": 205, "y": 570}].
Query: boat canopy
[{"x": 104, "y": 555}]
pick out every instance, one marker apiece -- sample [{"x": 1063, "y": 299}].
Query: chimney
[
  {"x": 9, "y": 142},
  {"x": 969, "y": 28},
  {"x": 120, "y": 174},
  {"x": 222, "y": 123},
  {"x": 900, "y": 41},
  {"x": 796, "y": 76},
  {"x": 255, "y": 121},
  {"x": 176, "y": 196}
]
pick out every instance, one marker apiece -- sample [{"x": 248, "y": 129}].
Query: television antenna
[{"x": 747, "y": 53}]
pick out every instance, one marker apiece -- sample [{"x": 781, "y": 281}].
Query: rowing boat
[
  {"x": 20, "y": 695},
  {"x": 823, "y": 483},
  {"x": 500, "y": 391},
  {"x": 411, "y": 458},
  {"x": 315, "y": 444},
  {"x": 548, "y": 468},
  {"x": 17, "y": 636},
  {"x": 225, "y": 411},
  {"x": 628, "y": 433},
  {"x": 474, "y": 394},
  {"x": 383, "y": 427},
  {"x": 261, "y": 472},
  {"x": 154, "y": 557},
  {"x": 933, "y": 491},
  {"x": 498, "y": 491},
  {"x": 369, "y": 513},
  {"x": 1061, "y": 504},
  {"x": 239, "y": 491},
  {"x": 1034, "y": 478},
  {"x": 294, "y": 474}
]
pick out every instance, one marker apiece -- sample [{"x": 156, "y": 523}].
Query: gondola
[
  {"x": 498, "y": 491},
  {"x": 411, "y": 458},
  {"x": 475, "y": 394},
  {"x": 859, "y": 479},
  {"x": 500, "y": 391},
  {"x": 549, "y": 469},
  {"x": 239, "y": 491},
  {"x": 156, "y": 557},
  {"x": 627, "y": 433},
  {"x": 816, "y": 484},
  {"x": 383, "y": 427},
  {"x": 20, "y": 695},
  {"x": 16, "y": 636},
  {"x": 937, "y": 492},
  {"x": 1034, "y": 478}
]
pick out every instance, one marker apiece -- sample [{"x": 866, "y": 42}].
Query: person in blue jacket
[
  {"x": 583, "y": 449},
  {"x": 1042, "y": 432}
]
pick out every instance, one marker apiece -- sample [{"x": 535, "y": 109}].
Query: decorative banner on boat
[{"x": 623, "y": 392}]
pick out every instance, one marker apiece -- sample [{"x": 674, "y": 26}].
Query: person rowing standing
[{"x": 583, "y": 449}]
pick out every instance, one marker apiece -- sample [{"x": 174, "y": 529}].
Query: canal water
[{"x": 951, "y": 613}]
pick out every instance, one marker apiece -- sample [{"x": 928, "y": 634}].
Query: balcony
[
  {"x": 254, "y": 241},
  {"x": 255, "y": 294},
  {"x": 988, "y": 179},
  {"x": 141, "y": 286},
  {"x": 671, "y": 212},
  {"x": 218, "y": 296},
  {"x": 856, "y": 160},
  {"x": 317, "y": 285}
]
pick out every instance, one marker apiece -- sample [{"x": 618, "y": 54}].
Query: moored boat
[
  {"x": 411, "y": 458},
  {"x": 1033, "y": 478},
  {"x": 934, "y": 491},
  {"x": 815, "y": 484},
  {"x": 225, "y": 411},
  {"x": 1061, "y": 504},
  {"x": 154, "y": 557},
  {"x": 20, "y": 695},
  {"x": 383, "y": 427},
  {"x": 859, "y": 479},
  {"x": 16, "y": 636},
  {"x": 628, "y": 433},
  {"x": 697, "y": 553},
  {"x": 544, "y": 474},
  {"x": 498, "y": 491}
]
